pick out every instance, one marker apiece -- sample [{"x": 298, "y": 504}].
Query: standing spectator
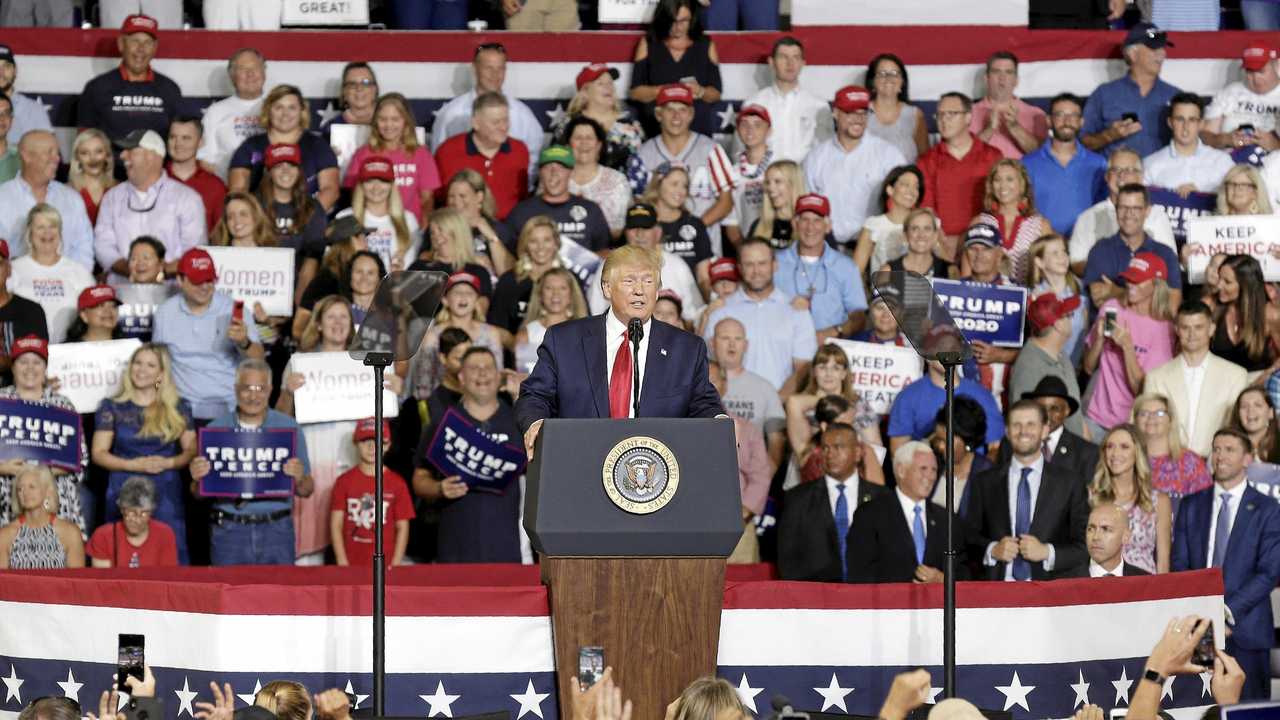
[
  {"x": 27, "y": 113},
  {"x": 35, "y": 184},
  {"x": 675, "y": 50},
  {"x": 359, "y": 93},
  {"x": 602, "y": 185},
  {"x": 1124, "y": 167},
  {"x": 1062, "y": 447},
  {"x": 537, "y": 251},
  {"x": 882, "y": 238},
  {"x": 97, "y": 316},
  {"x": 746, "y": 394},
  {"x": 242, "y": 14},
  {"x": 914, "y": 409},
  {"x": 1066, "y": 177},
  {"x": 394, "y": 137},
  {"x": 829, "y": 374},
  {"x": 1186, "y": 164},
  {"x": 459, "y": 308},
  {"x": 730, "y": 15},
  {"x": 457, "y": 117},
  {"x": 453, "y": 250},
  {"x": 1049, "y": 271},
  {"x": 232, "y": 120},
  {"x": 1245, "y": 330},
  {"x": 541, "y": 15},
  {"x": 922, "y": 232},
  {"x": 1176, "y": 470},
  {"x": 299, "y": 220},
  {"x": 490, "y": 150},
  {"x": 92, "y": 171},
  {"x": 969, "y": 433},
  {"x": 754, "y": 473},
  {"x": 825, "y": 277},
  {"x": 1123, "y": 479},
  {"x": 29, "y": 13},
  {"x": 392, "y": 231},
  {"x": 286, "y": 118},
  {"x": 1244, "y": 192},
  {"x": 801, "y": 119},
  {"x": 243, "y": 224},
  {"x": 1254, "y": 414},
  {"x": 597, "y": 99},
  {"x": 468, "y": 194},
  {"x": 893, "y": 119},
  {"x": 255, "y": 532},
  {"x": 754, "y": 125},
  {"x": 1243, "y": 113},
  {"x": 168, "y": 13},
  {"x": 185, "y": 134},
  {"x": 683, "y": 234},
  {"x": 150, "y": 203},
  {"x": 47, "y": 277},
  {"x": 1000, "y": 119},
  {"x": 135, "y": 540},
  {"x": 1009, "y": 205},
  {"x": 643, "y": 229},
  {"x": 205, "y": 338},
  {"x": 432, "y": 15},
  {"x": 352, "y": 508},
  {"x": 784, "y": 183},
  {"x": 579, "y": 220},
  {"x": 851, "y": 167},
  {"x": 1112, "y": 256},
  {"x": 38, "y": 539},
  {"x": 1044, "y": 355},
  {"x": 955, "y": 169},
  {"x": 1130, "y": 111},
  {"x": 984, "y": 254},
  {"x": 9, "y": 164},
  {"x": 132, "y": 96}
]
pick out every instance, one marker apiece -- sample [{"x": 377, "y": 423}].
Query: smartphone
[
  {"x": 1130, "y": 116},
  {"x": 1205, "y": 650},
  {"x": 130, "y": 658},
  {"x": 1108, "y": 322},
  {"x": 590, "y": 665},
  {"x": 237, "y": 311}
]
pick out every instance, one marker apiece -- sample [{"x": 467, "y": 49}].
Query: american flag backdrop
[{"x": 464, "y": 641}]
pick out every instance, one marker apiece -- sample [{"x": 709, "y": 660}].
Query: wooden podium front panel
[{"x": 658, "y": 620}]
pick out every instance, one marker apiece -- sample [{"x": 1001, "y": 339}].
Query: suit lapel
[
  {"x": 1003, "y": 503},
  {"x": 653, "y": 371},
  {"x": 1047, "y": 488},
  {"x": 594, "y": 349},
  {"x": 1240, "y": 529},
  {"x": 1200, "y": 531}
]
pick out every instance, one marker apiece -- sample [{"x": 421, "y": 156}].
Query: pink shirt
[
  {"x": 1152, "y": 341},
  {"x": 415, "y": 174},
  {"x": 1029, "y": 116}
]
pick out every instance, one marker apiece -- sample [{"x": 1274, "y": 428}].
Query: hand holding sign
[
  {"x": 453, "y": 488},
  {"x": 303, "y": 484}
]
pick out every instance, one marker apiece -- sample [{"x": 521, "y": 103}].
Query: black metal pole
[
  {"x": 379, "y": 568},
  {"x": 949, "y": 582}
]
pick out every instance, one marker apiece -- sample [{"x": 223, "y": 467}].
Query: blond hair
[
  {"x": 458, "y": 230},
  {"x": 1174, "y": 437},
  {"x": 632, "y": 256},
  {"x": 1102, "y": 491},
  {"x": 475, "y": 181},
  {"x": 577, "y": 303},
  {"x": 395, "y": 211},
  {"x": 278, "y": 93},
  {"x": 795, "y": 180},
  {"x": 408, "y": 136},
  {"x": 1261, "y": 198},
  {"x": 310, "y": 338},
  {"x": 75, "y": 176},
  {"x": 1036, "y": 252},
  {"x": 44, "y": 210},
  {"x": 161, "y": 418},
  {"x": 707, "y": 698},
  {"x": 287, "y": 699},
  {"x": 524, "y": 265},
  {"x": 44, "y": 477}
]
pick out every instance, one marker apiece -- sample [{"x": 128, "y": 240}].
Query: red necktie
[{"x": 620, "y": 382}]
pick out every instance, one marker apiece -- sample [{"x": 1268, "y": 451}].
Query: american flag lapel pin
[{"x": 662, "y": 352}]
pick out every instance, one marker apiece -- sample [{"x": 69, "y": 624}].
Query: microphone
[{"x": 635, "y": 332}]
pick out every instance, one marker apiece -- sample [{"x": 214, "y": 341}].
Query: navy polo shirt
[
  {"x": 1110, "y": 101},
  {"x": 1110, "y": 257},
  {"x": 1062, "y": 193}
]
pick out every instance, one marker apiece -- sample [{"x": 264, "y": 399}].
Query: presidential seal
[{"x": 641, "y": 475}]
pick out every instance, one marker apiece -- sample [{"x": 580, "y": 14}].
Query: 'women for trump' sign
[{"x": 90, "y": 371}]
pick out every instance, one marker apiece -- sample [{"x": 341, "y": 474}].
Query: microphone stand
[
  {"x": 635, "y": 331},
  {"x": 379, "y": 362}
]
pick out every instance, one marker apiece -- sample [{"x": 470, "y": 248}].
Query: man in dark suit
[
  {"x": 1234, "y": 527},
  {"x": 1106, "y": 536},
  {"x": 1063, "y": 448},
  {"x": 1027, "y": 518},
  {"x": 814, "y": 526},
  {"x": 585, "y": 367},
  {"x": 900, "y": 536}
]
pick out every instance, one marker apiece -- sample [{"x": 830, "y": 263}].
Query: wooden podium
[{"x": 646, "y": 583}]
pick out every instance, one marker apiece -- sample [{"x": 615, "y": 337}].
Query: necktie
[
  {"x": 1222, "y": 533},
  {"x": 620, "y": 382},
  {"x": 917, "y": 534},
  {"x": 842, "y": 528},
  {"x": 1022, "y": 523},
  {"x": 1045, "y": 452}
]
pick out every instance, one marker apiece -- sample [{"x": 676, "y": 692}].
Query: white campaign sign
[
  {"x": 626, "y": 11},
  {"x": 325, "y": 12},
  {"x": 880, "y": 372},
  {"x": 1256, "y": 235},
  {"x": 345, "y": 139},
  {"x": 253, "y": 275},
  {"x": 90, "y": 371},
  {"x": 336, "y": 388}
]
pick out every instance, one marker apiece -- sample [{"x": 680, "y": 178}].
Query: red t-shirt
[
  {"x": 212, "y": 191},
  {"x": 507, "y": 173},
  {"x": 109, "y": 543},
  {"x": 353, "y": 497},
  {"x": 955, "y": 188}
]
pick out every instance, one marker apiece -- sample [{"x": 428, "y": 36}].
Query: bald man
[{"x": 1105, "y": 536}]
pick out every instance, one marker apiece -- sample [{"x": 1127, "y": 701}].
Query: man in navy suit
[
  {"x": 1234, "y": 527},
  {"x": 585, "y": 367}
]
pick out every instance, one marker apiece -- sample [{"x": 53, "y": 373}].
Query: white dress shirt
[
  {"x": 850, "y": 493},
  {"x": 1096, "y": 570},
  {"x": 909, "y": 512},
  {"x": 1100, "y": 222},
  {"x": 454, "y": 118},
  {"x": 1237, "y": 494},
  {"x": 615, "y": 335},
  {"x": 1193, "y": 379},
  {"x": 851, "y": 180},
  {"x": 1204, "y": 168},
  {"x": 800, "y": 119},
  {"x": 1033, "y": 480},
  {"x": 1054, "y": 438}
]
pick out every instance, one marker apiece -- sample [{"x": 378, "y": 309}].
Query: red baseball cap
[
  {"x": 755, "y": 111},
  {"x": 675, "y": 92},
  {"x": 593, "y": 71},
  {"x": 197, "y": 266},
  {"x": 377, "y": 167},
  {"x": 1047, "y": 309},
  {"x": 140, "y": 24},
  {"x": 29, "y": 344},
  {"x": 1145, "y": 266},
  {"x": 277, "y": 154},
  {"x": 814, "y": 203},
  {"x": 366, "y": 430},
  {"x": 723, "y": 269},
  {"x": 462, "y": 278},
  {"x": 93, "y": 296},
  {"x": 1256, "y": 56},
  {"x": 852, "y": 97}
]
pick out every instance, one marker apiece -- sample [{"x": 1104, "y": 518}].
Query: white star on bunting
[
  {"x": 1016, "y": 693},
  {"x": 359, "y": 698},
  {"x": 934, "y": 692},
  {"x": 1167, "y": 692},
  {"x": 833, "y": 695},
  {"x": 557, "y": 115},
  {"x": 748, "y": 694},
  {"x": 1081, "y": 689},
  {"x": 328, "y": 113},
  {"x": 71, "y": 688},
  {"x": 13, "y": 686},
  {"x": 440, "y": 702},
  {"x": 185, "y": 697},
  {"x": 1206, "y": 678},
  {"x": 530, "y": 701},
  {"x": 248, "y": 699},
  {"x": 1122, "y": 687},
  {"x": 727, "y": 117}
]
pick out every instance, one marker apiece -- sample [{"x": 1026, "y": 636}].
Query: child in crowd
[{"x": 351, "y": 515}]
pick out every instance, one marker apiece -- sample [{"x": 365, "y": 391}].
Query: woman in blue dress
[{"x": 147, "y": 430}]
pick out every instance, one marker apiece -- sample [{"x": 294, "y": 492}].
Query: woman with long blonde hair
[
  {"x": 1243, "y": 192},
  {"x": 556, "y": 297},
  {"x": 470, "y": 195},
  {"x": 1176, "y": 470},
  {"x": 1123, "y": 479},
  {"x": 376, "y": 205},
  {"x": 537, "y": 252},
  {"x": 92, "y": 171},
  {"x": 1009, "y": 204},
  {"x": 783, "y": 183},
  {"x": 147, "y": 429},
  {"x": 394, "y": 136},
  {"x": 597, "y": 98}
]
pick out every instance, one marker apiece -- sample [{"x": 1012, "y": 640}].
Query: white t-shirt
[
  {"x": 56, "y": 288},
  {"x": 227, "y": 124},
  {"x": 1237, "y": 105},
  {"x": 383, "y": 238}
]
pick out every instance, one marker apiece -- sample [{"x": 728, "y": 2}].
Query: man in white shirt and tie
[{"x": 1106, "y": 536}]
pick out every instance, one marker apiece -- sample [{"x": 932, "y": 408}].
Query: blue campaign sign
[
  {"x": 459, "y": 448},
  {"x": 1265, "y": 477},
  {"x": 246, "y": 463},
  {"x": 40, "y": 433},
  {"x": 1180, "y": 209},
  {"x": 984, "y": 312}
]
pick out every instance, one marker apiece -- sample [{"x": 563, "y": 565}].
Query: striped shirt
[{"x": 710, "y": 173}]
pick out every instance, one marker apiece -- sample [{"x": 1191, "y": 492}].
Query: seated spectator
[
  {"x": 955, "y": 170},
  {"x": 597, "y": 99},
  {"x": 468, "y": 194},
  {"x": 47, "y": 277},
  {"x": 602, "y": 185},
  {"x": 392, "y": 231},
  {"x": 674, "y": 49},
  {"x": 97, "y": 316},
  {"x": 1123, "y": 479},
  {"x": 683, "y": 234},
  {"x": 754, "y": 473},
  {"x": 1010, "y": 205},
  {"x": 92, "y": 171},
  {"x": 28, "y": 114},
  {"x": 1044, "y": 355},
  {"x": 1255, "y": 415},
  {"x": 1186, "y": 164},
  {"x": 922, "y": 232},
  {"x": 453, "y": 250},
  {"x": 185, "y": 135},
  {"x": 1247, "y": 325},
  {"x": 147, "y": 429},
  {"x": 394, "y": 138},
  {"x": 556, "y": 298},
  {"x": 1111, "y": 257},
  {"x": 892, "y": 118},
  {"x": 299, "y": 220},
  {"x": 1244, "y": 192},
  {"x": 351, "y": 507},
  {"x": 1131, "y": 337},
  {"x": 643, "y": 230},
  {"x": 579, "y": 219},
  {"x": 969, "y": 434},
  {"x": 912, "y": 414},
  {"x": 232, "y": 120},
  {"x": 800, "y": 119},
  {"x": 1107, "y": 536},
  {"x": 882, "y": 237},
  {"x": 1238, "y": 115},
  {"x": 537, "y": 251},
  {"x": 851, "y": 167},
  {"x": 457, "y": 117},
  {"x": 1131, "y": 111},
  {"x": 255, "y": 532},
  {"x": 753, "y": 126},
  {"x": 828, "y": 279},
  {"x": 150, "y": 203},
  {"x": 38, "y": 539},
  {"x": 746, "y": 394},
  {"x": 35, "y": 184},
  {"x": 1000, "y": 119},
  {"x": 285, "y": 120},
  {"x": 829, "y": 374},
  {"x": 474, "y": 526},
  {"x": 133, "y": 96},
  {"x": 1066, "y": 177},
  {"x": 882, "y": 328},
  {"x": 1049, "y": 271},
  {"x": 489, "y": 149},
  {"x": 135, "y": 540},
  {"x": 784, "y": 183},
  {"x": 1124, "y": 167},
  {"x": 1176, "y": 470},
  {"x": 459, "y": 308}
]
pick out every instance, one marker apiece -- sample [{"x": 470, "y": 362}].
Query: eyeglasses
[
  {"x": 1144, "y": 414},
  {"x": 1240, "y": 185},
  {"x": 491, "y": 46},
  {"x": 361, "y": 83},
  {"x": 888, "y": 74},
  {"x": 253, "y": 388},
  {"x": 951, "y": 114},
  {"x": 136, "y": 512}
]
